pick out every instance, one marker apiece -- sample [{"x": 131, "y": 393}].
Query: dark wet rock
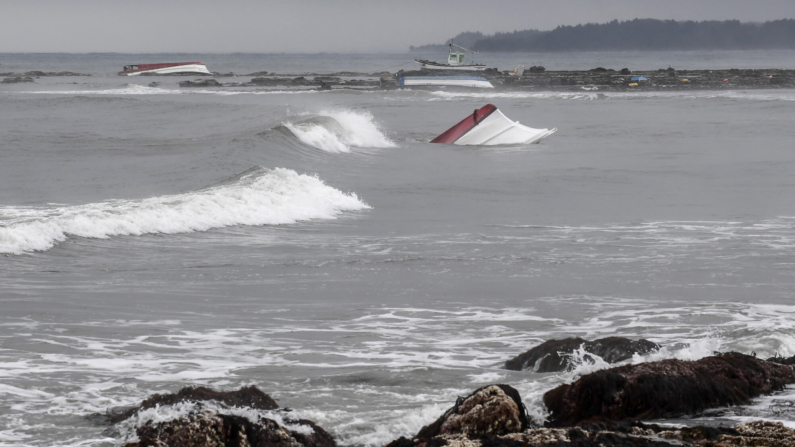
[
  {"x": 249, "y": 396},
  {"x": 536, "y": 69},
  {"x": 625, "y": 71},
  {"x": 154, "y": 84},
  {"x": 782, "y": 360},
  {"x": 257, "y": 73},
  {"x": 300, "y": 80},
  {"x": 324, "y": 86},
  {"x": 200, "y": 83},
  {"x": 668, "y": 388},
  {"x": 17, "y": 79},
  {"x": 207, "y": 429},
  {"x": 556, "y": 355}
]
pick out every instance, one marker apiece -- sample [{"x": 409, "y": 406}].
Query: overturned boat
[
  {"x": 188, "y": 68},
  {"x": 488, "y": 127},
  {"x": 444, "y": 81},
  {"x": 455, "y": 61}
]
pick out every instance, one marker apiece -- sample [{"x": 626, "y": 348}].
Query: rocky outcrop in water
[
  {"x": 249, "y": 396},
  {"x": 202, "y": 427},
  {"x": 200, "y": 83},
  {"x": 16, "y": 80},
  {"x": 664, "y": 389},
  {"x": 556, "y": 355}
]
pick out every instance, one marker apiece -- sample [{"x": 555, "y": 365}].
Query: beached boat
[
  {"x": 488, "y": 127},
  {"x": 165, "y": 69},
  {"x": 444, "y": 81},
  {"x": 455, "y": 61}
]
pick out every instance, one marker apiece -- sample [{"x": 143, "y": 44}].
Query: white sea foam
[
  {"x": 263, "y": 197},
  {"x": 588, "y": 95},
  {"x": 338, "y": 131}
]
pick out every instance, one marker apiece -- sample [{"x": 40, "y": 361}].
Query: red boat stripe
[{"x": 452, "y": 134}]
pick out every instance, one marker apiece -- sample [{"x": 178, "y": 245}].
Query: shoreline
[{"x": 533, "y": 79}]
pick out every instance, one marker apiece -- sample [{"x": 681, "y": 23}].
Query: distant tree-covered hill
[
  {"x": 638, "y": 34},
  {"x": 466, "y": 39}
]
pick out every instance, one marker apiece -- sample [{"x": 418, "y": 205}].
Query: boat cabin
[
  {"x": 130, "y": 67},
  {"x": 455, "y": 58}
]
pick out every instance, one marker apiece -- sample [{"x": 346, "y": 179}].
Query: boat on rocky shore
[
  {"x": 170, "y": 68},
  {"x": 455, "y": 61}
]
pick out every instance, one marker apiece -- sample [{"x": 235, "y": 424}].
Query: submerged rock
[
  {"x": 556, "y": 355},
  {"x": 664, "y": 389}
]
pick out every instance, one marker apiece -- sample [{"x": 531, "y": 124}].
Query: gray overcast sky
[{"x": 342, "y": 26}]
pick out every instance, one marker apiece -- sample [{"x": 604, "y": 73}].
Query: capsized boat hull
[
  {"x": 487, "y": 126},
  {"x": 166, "y": 69},
  {"x": 444, "y": 81}
]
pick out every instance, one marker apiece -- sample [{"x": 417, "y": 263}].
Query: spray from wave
[
  {"x": 258, "y": 197},
  {"x": 338, "y": 131}
]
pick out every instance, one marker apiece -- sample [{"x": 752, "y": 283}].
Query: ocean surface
[{"x": 314, "y": 244}]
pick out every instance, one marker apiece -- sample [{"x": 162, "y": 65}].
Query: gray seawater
[{"x": 316, "y": 245}]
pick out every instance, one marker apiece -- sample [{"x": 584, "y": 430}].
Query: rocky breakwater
[
  {"x": 494, "y": 416},
  {"x": 603, "y": 79},
  {"x": 39, "y": 74},
  {"x": 17, "y": 80},
  {"x": 559, "y": 355},
  {"x": 208, "y": 418}
]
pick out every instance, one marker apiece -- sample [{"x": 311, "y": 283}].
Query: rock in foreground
[
  {"x": 493, "y": 416},
  {"x": 664, "y": 389},
  {"x": 555, "y": 355},
  {"x": 207, "y": 429}
]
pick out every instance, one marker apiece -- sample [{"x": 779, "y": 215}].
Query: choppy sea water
[{"x": 315, "y": 245}]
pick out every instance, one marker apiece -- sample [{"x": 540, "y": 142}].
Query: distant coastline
[{"x": 634, "y": 35}]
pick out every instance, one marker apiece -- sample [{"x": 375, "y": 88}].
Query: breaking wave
[
  {"x": 338, "y": 131},
  {"x": 257, "y": 197}
]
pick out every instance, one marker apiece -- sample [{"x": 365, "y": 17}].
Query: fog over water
[{"x": 314, "y": 244}]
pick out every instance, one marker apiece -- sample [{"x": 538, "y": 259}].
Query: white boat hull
[
  {"x": 186, "y": 69},
  {"x": 445, "y": 81},
  {"x": 499, "y": 129}
]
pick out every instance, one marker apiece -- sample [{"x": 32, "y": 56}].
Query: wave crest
[
  {"x": 338, "y": 131},
  {"x": 258, "y": 197}
]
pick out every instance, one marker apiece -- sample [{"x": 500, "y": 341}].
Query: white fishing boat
[
  {"x": 488, "y": 127},
  {"x": 444, "y": 81},
  {"x": 455, "y": 61},
  {"x": 165, "y": 69}
]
